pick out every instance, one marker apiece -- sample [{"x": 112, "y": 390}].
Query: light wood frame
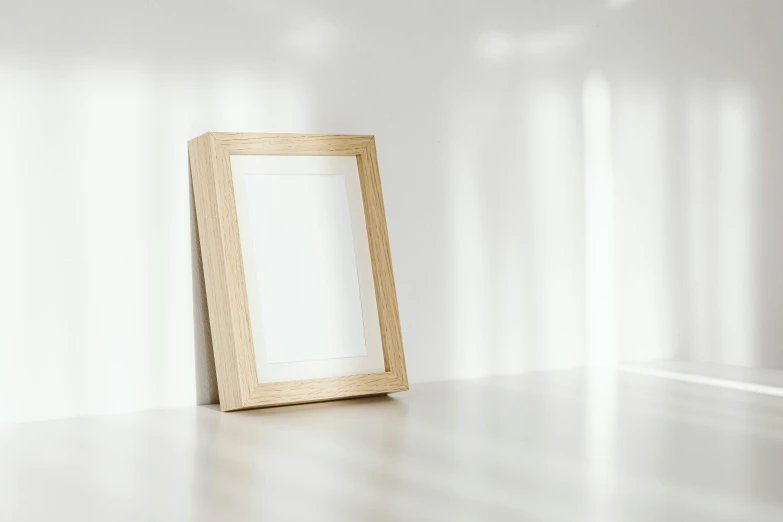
[{"x": 224, "y": 274}]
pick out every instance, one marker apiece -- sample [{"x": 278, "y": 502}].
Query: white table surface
[{"x": 555, "y": 446}]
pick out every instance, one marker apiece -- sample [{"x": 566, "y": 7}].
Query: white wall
[{"x": 501, "y": 125}]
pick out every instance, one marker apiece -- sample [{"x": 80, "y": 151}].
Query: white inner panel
[{"x": 307, "y": 265}]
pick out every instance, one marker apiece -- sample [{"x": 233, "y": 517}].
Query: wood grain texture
[
  {"x": 224, "y": 274},
  {"x": 243, "y": 143},
  {"x": 315, "y": 390},
  {"x": 380, "y": 255}
]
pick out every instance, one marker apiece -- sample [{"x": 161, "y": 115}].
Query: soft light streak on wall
[
  {"x": 15, "y": 97},
  {"x": 470, "y": 270},
  {"x": 115, "y": 237},
  {"x": 599, "y": 186},
  {"x": 736, "y": 240},
  {"x": 647, "y": 255},
  {"x": 97, "y": 170},
  {"x": 699, "y": 246},
  {"x": 556, "y": 209}
]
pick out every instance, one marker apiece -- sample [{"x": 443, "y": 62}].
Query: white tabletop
[{"x": 555, "y": 446}]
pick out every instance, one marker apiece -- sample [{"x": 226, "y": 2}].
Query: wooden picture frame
[{"x": 224, "y": 273}]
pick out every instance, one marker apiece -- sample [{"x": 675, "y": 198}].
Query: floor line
[{"x": 707, "y": 381}]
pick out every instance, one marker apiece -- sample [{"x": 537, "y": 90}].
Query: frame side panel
[
  {"x": 383, "y": 276},
  {"x": 203, "y": 158},
  {"x": 235, "y": 273}
]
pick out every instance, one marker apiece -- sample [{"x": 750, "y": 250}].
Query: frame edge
[
  {"x": 380, "y": 253},
  {"x": 222, "y": 278},
  {"x": 210, "y": 169}
]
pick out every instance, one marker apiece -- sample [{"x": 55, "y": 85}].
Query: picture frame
[{"x": 225, "y": 277}]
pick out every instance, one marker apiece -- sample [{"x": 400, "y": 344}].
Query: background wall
[{"x": 567, "y": 182}]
